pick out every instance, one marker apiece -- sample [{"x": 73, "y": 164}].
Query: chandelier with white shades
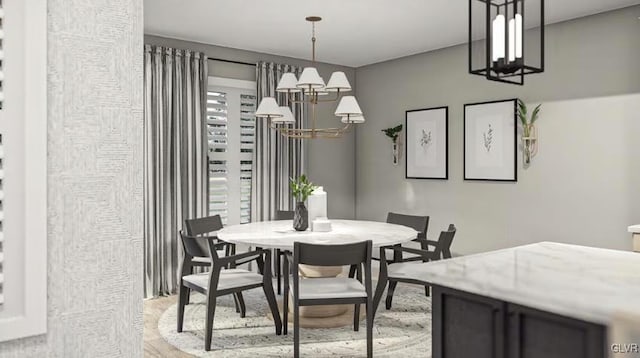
[{"x": 313, "y": 88}]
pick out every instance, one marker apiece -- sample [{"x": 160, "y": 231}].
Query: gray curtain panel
[
  {"x": 276, "y": 158},
  {"x": 175, "y": 158}
]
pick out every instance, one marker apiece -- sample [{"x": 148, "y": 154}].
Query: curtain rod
[{"x": 231, "y": 61}]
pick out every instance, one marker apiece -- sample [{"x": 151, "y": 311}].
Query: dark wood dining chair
[
  {"x": 208, "y": 226},
  {"x": 409, "y": 271},
  {"x": 280, "y": 215},
  {"x": 221, "y": 279},
  {"x": 329, "y": 290},
  {"x": 419, "y": 224}
]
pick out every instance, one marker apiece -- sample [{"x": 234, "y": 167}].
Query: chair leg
[
  {"x": 273, "y": 305},
  {"x": 260, "y": 262},
  {"x": 382, "y": 284},
  {"x": 278, "y": 271},
  {"x": 356, "y": 310},
  {"x": 392, "y": 287},
  {"x": 235, "y": 303},
  {"x": 188, "y": 296},
  {"x": 296, "y": 330},
  {"x": 369, "y": 308},
  {"x": 285, "y": 299},
  {"x": 211, "y": 310},
  {"x": 243, "y": 308},
  {"x": 183, "y": 296},
  {"x": 356, "y": 317},
  {"x": 426, "y": 291}
]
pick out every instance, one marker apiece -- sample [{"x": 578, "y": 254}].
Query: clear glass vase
[{"x": 394, "y": 151}]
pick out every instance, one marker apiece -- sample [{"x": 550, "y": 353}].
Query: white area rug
[{"x": 404, "y": 331}]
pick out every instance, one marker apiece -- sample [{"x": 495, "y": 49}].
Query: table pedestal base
[
  {"x": 344, "y": 319},
  {"x": 321, "y": 316}
]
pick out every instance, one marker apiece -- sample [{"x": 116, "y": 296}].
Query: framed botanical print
[
  {"x": 490, "y": 130},
  {"x": 427, "y": 143}
]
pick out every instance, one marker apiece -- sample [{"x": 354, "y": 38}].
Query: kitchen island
[{"x": 543, "y": 300}]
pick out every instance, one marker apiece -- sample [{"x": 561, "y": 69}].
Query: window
[{"x": 231, "y": 105}]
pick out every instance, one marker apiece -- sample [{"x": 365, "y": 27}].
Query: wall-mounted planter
[
  {"x": 394, "y": 133},
  {"x": 394, "y": 151},
  {"x": 529, "y": 132},
  {"x": 529, "y": 143}
]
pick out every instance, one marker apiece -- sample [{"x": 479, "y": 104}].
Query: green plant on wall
[
  {"x": 301, "y": 188},
  {"x": 529, "y": 132},
  {"x": 526, "y": 122},
  {"x": 393, "y": 132}
]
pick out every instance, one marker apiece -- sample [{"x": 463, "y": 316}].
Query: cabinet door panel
[
  {"x": 466, "y": 325},
  {"x": 537, "y": 334}
]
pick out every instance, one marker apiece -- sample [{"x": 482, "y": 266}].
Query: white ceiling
[{"x": 352, "y": 32}]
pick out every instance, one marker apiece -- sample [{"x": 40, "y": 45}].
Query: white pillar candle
[
  {"x": 512, "y": 40},
  {"x": 498, "y": 38},
  {"x": 519, "y": 30}
]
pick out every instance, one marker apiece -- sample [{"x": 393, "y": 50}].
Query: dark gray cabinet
[{"x": 467, "y": 325}]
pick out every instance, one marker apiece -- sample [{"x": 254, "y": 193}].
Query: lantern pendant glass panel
[{"x": 506, "y": 39}]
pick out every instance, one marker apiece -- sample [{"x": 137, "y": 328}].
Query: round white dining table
[{"x": 281, "y": 235}]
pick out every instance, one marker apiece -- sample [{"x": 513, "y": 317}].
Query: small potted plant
[
  {"x": 393, "y": 133},
  {"x": 529, "y": 131},
  {"x": 301, "y": 188}
]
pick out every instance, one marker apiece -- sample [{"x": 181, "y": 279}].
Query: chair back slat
[
  {"x": 199, "y": 247},
  {"x": 200, "y": 226},
  {"x": 283, "y": 215},
  {"x": 418, "y": 223},
  {"x": 443, "y": 248},
  {"x": 332, "y": 255},
  {"x": 194, "y": 246}
]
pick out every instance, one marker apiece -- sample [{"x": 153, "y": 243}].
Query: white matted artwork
[
  {"x": 426, "y": 141},
  {"x": 490, "y": 141}
]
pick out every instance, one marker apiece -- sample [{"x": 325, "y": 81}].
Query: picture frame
[
  {"x": 427, "y": 143},
  {"x": 490, "y": 141}
]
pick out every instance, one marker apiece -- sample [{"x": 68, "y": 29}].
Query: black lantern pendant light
[{"x": 498, "y": 41}]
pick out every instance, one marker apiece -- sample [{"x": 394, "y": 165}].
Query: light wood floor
[{"x": 154, "y": 344}]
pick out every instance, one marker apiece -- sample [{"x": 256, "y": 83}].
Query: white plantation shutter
[
  {"x": 247, "y": 142},
  {"x": 217, "y": 136},
  {"x": 231, "y": 106}
]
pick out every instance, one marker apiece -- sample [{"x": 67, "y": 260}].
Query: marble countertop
[
  {"x": 634, "y": 229},
  {"x": 581, "y": 282}
]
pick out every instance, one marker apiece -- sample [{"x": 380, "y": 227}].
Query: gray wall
[
  {"x": 583, "y": 185},
  {"x": 330, "y": 162},
  {"x": 94, "y": 183}
]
